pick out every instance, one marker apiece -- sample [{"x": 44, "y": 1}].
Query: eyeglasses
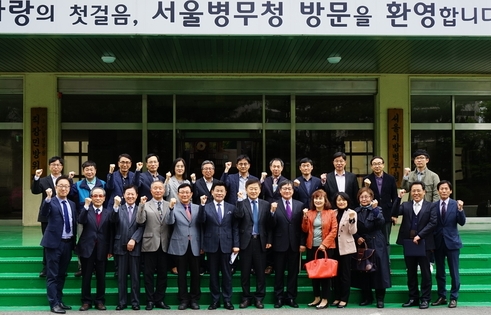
[
  {"x": 63, "y": 186},
  {"x": 377, "y": 164},
  {"x": 208, "y": 168},
  {"x": 98, "y": 196},
  {"x": 243, "y": 164},
  {"x": 124, "y": 162},
  {"x": 286, "y": 188},
  {"x": 56, "y": 165}
]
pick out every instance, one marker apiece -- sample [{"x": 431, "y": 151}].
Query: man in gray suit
[
  {"x": 185, "y": 244},
  {"x": 127, "y": 247},
  {"x": 155, "y": 243}
]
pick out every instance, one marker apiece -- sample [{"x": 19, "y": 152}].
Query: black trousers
[
  {"x": 184, "y": 263},
  {"x": 253, "y": 256},
  {"x": 286, "y": 261},
  {"x": 155, "y": 262},
  {"x": 128, "y": 264},
  {"x": 412, "y": 263},
  {"x": 88, "y": 266},
  {"x": 342, "y": 282},
  {"x": 219, "y": 262}
]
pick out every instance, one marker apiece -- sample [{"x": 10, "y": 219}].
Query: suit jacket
[
  {"x": 244, "y": 213},
  {"x": 185, "y": 230},
  {"x": 156, "y": 231},
  {"x": 232, "y": 183},
  {"x": 39, "y": 187},
  {"x": 426, "y": 221},
  {"x": 125, "y": 230},
  {"x": 267, "y": 189},
  {"x": 219, "y": 236},
  {"x": 53, "y": 212},
  {"x": 446, "y": 230},
  {"x": 387, "y": 197},
  {"x": 93, "y": 234},
  {"x": 143, "y": 180},
  {"x": 114, "y": 183},
  {"x": 288, "y": 233},
  {"x": 304, "y": 195},
  {"x": 346, "y": 230},
  {"x": 200, "y": 189},
  {"x": 351, "y": 187}
]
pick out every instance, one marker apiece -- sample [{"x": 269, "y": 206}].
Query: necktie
[
  {"x": 219, "y": 213},
  {"x": 98, "y": 216},
  {"x": 130, "y": 213},
  {"x": 275, "y": 184},
  {"x": 416, "y": 208},
  {"x": 188, "y": 212},
  {"x": 68, "y": 228},
  {"x": 444, "y": 210},
  {"x": 159, "y": 209},
  {"x": 255, "y": 218},
  {"x": 288, "y": 210}
]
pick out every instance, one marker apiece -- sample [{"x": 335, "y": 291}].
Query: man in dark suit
[
  {"x": 185, "y": 244},
  {"x": 202, "y": 186},
  {"x": 341, "y": 180},
  {"x": 58, "y": 241},
  {"x": 306, "y": 184},
  {"x": 116, "y": 181},
  {"x": 154, "y": 244},
  {"x": 448, "y": 242},
  {"x": 269, "y": 186},
  {"x": 236, "y": 182},
  {"x": 220, "y": 239},
  {"x": 94, "y": 247},
  {"x": 255, "y": 238},
  {"x": 127, "y": 246},
  {"x": 288, "y": 243},
  {"x": 384, "y": 190},
  {"x": 418, "y": 224},
  {"x": 39, "y": 186},
  {"x": 143, "y": 180}
]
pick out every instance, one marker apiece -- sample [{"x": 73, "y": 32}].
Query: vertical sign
[
  {"x": 395, "y": 145},
  {"x": 39, "y": 139}
]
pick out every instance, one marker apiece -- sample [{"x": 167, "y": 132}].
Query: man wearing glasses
[
  {"x": 58, "y": 240},
  {"x": 39, "y": 186},
  {"x": 236, "y": 183},
  {"x": 118, "y": 180},
  {"x": 421, "y": 173}
]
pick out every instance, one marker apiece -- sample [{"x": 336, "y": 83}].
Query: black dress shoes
[
  {"x": 42, "y": 274},
  {"x": 183, "y": 306},
  {"x": 291, "y": 303},
  {"x": 78, "y": 274},
  {"x": 194, "y": 306},
  {"x": 120, "y": 307},
  {"x": 149, "y": 306},
  {"x": 259, "y": 304},
  {"x": 452, "y": 304},
  {"x": 245, "y": 304},
  {"x": 162, "y": 305},
  {"x": 424, "y": 305},
  {"x": 278, "y": 304},
  {"x": 380, "y": 304},
  {"x": 440, "y": 301},
  {"x": 365, "y": 303},
  {"x": 410, "y": 303},
  {"x": 65, "y": 307},
  {"x": 58, "y": 309},
  {"x": 228, "y": 306},
  {"x": 135, "y": 307},
  {"x": 100, "y": 307},
  {"x": 214, "y": 306}
]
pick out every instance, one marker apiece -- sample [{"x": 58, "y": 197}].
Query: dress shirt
[
  {"x": 221, "y": 208},
  {"x": 242, "y": 182},
  {"x": 417, "y": 207},
  {"x": 379, "y": 180},
  {"x": 66, "y": 235},
  {"x": 340, "y": 181}
]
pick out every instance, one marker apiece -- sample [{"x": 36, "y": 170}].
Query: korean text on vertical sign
[
  {"x": 39, "y": 139},
  {"x": 395, "y": 143}
]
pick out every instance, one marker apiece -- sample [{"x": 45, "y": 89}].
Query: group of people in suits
[{"x": 171, "y": 221}]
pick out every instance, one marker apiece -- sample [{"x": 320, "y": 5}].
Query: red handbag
[{"x": 322, "y": 268}]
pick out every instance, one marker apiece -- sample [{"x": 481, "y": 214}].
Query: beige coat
[
  {"x": 156, "y": 230},
  {"x": 346, "y": 230}
]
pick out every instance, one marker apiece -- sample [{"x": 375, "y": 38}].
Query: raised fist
[
  {"x": 39, "y": 172},
  {"x": 305, "y": 210},
  {"x": 172, "y": 203},
  {"x": 228, "y": 165},
  {"x": 117, "y": 201},
  {"x": 367, "y": 182},
  {"x": 111, "y": 168},
  {"x": 374, "y": 203},
  {"x": 203, "y": 199},
  {"x": 460, "y": 205},
  {"x": 264, "y": 175},
  {"x": 143, "y": 200},
  {"x": 406, "y": 171},
  {"x": 139, "y": 166},
  {"x": 168, "y": 175},
  {"x": 87, "y": 202},
  {"x": 323, "y": 177},
  {"x": 49, "y": 192},
  {"x": 193, "y": 177},
  {"x": 351, "y": 214},
  {"x": 401, "y": 193},
  {"x": 71, "y": 174},
  {"x": 274, "y": 205},
  {"x": 296, "y": 183},
  {"x": 240, "y": 195}
]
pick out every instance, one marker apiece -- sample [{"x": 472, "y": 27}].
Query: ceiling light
[
  {"x": 108, "y": 59},
  {"x": 334, "y": 59}
]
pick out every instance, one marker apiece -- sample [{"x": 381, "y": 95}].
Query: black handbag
[{"x": 364, "y": 259}]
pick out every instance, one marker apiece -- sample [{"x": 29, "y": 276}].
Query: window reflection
[
  {"x": 11, "y": 174},
  {"x": 101, "y": 108},
  {"x": 336, "y": 109},
  {"x": 472, "y": 109},
  {"x": 278, "y": 109},
  {"x": 11, "y": 108},
  {"x": 159, "y": 108},
  {"x": 431, "y": 109}
]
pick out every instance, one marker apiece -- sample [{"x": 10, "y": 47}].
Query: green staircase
[{"x": 21, "y": 288}]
